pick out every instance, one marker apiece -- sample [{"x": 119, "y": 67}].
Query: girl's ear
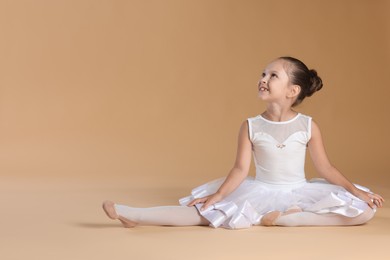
[{"x": 294, "y": 91}]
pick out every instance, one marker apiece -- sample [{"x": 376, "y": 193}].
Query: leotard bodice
[{"x": 279, "y": 148}]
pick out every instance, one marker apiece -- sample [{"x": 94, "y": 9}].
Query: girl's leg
[
  {"x": 313, "y": 219},
  {"x": 160, "y": 216}
]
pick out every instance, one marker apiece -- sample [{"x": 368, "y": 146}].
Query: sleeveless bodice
[{"x": 279, "y": 148}]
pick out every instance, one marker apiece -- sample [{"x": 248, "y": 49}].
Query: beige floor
[{"x": 48, "y": 218}]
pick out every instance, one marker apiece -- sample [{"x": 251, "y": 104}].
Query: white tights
[
  {"x": 163, "y": 215},
  {"x": 189, "y": 216},
  {"x": 312, "y": 219}
]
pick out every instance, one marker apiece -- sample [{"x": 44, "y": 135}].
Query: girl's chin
[{"x": 262, "y": 95}]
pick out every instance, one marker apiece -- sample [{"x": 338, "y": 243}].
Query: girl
[{"x": 279, "y": 194}]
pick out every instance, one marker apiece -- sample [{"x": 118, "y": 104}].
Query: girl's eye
[{"x": 273, "y": 75}]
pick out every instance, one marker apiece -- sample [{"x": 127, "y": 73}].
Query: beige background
[{"x": 139, "y": 101}]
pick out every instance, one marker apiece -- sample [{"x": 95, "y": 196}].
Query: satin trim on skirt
[{"x": 246, "y": 205}]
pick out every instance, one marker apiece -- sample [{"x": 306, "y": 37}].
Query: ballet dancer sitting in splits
[{"x": 279, "y": 194}]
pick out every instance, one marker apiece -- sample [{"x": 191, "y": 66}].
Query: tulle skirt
[{"x": 246, "y": 205}]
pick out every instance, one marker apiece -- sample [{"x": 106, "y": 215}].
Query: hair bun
[
  {"x": 315, "y": 83},
  {"x": 299, "y": 74}
]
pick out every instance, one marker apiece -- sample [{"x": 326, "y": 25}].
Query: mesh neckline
[{"x": 281, "y": 122}]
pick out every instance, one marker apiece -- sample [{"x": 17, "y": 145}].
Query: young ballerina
[{"x": 279, "y": 194}]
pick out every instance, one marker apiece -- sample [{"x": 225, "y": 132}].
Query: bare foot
[
  {"x": 127, "y": 223},
  {"x": 270, "y": 218},
  {"x": 108, "y": 207}
]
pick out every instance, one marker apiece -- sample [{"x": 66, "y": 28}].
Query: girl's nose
[{"x": 262, "y": 81}]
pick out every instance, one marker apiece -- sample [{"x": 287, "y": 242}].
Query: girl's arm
[
  {"x": 237, "y": 174},
  {"x": 331, "y": 174}
]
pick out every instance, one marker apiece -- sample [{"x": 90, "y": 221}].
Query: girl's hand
[
  {"x": 208, "y": 200},
  {"x": 373, "y": 200}
]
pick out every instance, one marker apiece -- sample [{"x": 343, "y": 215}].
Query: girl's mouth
[{"x": 263, "y": 89}]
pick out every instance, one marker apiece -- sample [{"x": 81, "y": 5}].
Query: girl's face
[{"x": 274, "y": 84}]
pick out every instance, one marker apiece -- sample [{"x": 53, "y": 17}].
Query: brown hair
[{"x": 304, "y": 77}]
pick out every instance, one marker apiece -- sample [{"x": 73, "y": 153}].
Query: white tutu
[{"x": 246, "y": 205}]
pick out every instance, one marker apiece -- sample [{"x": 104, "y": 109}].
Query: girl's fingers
[
  {"x": 380, "y": 198},
  {"x": 196, "y": 201},
  {"x": 376, "y": 196},
  {"x": 379, "y": 202},
  {"x": 205, "y": 205},
  {"x": 369, "y": 200},
  {"x": 192, "y": 203},
  {"x": 371, "y": 204},
  {"x": 375, "y": 199}
]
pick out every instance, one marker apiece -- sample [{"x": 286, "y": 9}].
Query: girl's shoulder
[{"x": 308, "y": 117}]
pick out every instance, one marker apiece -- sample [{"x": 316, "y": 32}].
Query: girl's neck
[{"x": 278, "y": 114}]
